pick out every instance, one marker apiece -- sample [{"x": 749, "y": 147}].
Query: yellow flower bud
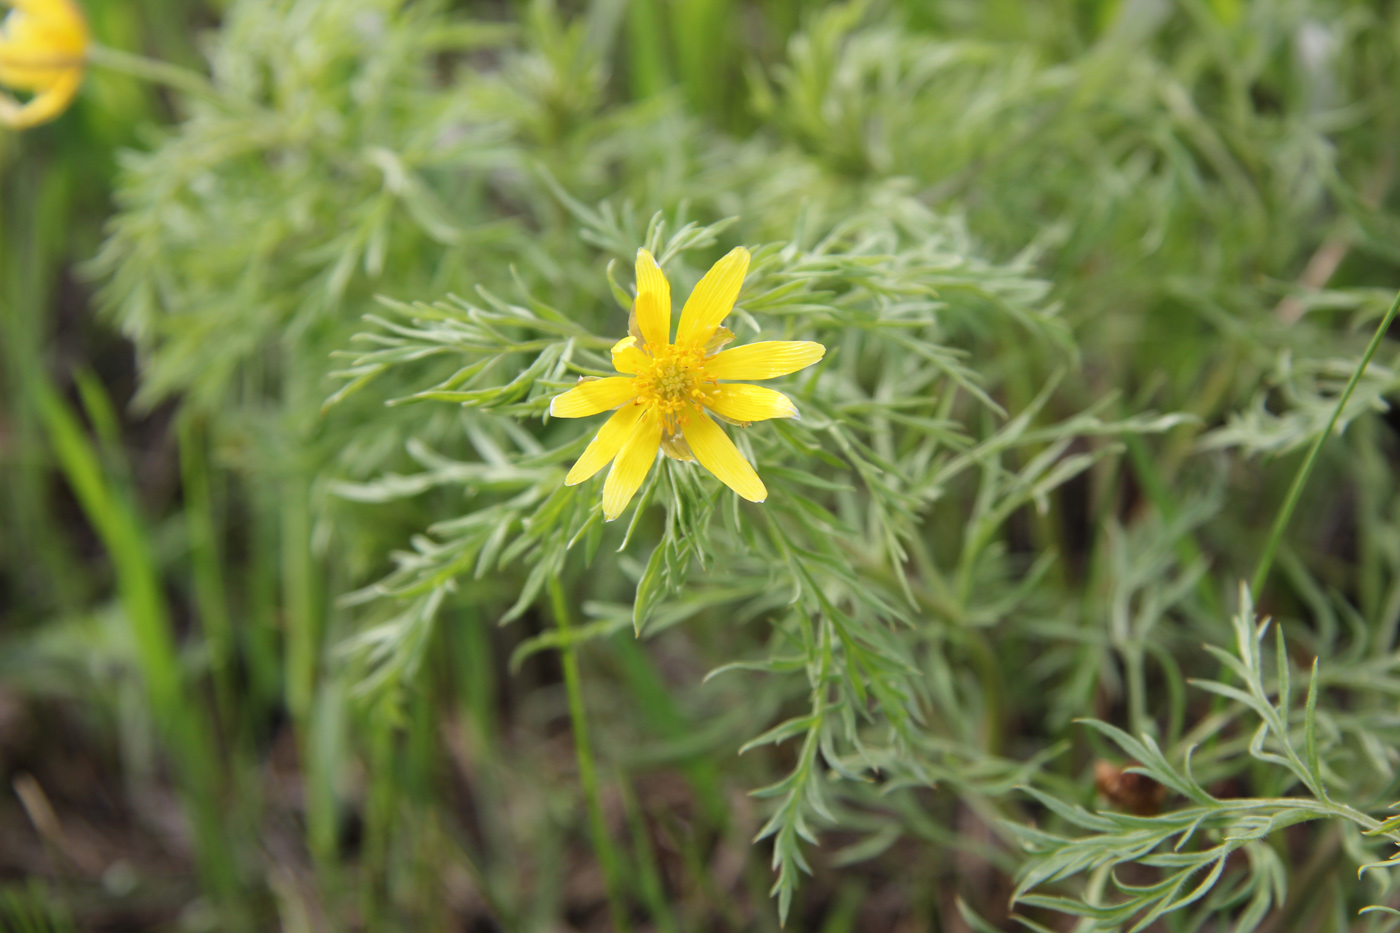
[{"x": 43, "y": 49}]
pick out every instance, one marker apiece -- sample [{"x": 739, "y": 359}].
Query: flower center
[{"x": 674, "y": 381}]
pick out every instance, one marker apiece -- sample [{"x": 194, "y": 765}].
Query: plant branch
[{"x": 587, "y": 770}]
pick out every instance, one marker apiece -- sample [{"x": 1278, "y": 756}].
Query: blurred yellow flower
[
  {"x": 43, "y": 47},
  {"x": 670, "y": 389}
]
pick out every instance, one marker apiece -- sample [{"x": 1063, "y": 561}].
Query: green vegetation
[{"x": 306, "y": 633}]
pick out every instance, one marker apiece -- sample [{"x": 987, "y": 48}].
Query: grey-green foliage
[
  {"x": 1012, "y": 245},
  {"x": 1308, "y": 390},
  {"x": 222, "y": 255},
  {"x": 894, "y": 436},
  {"x": 1130, "y": 632},
  {"x": 1318, "y": 766},
  {"x": 834, "y": 561},
  {"x": 1177, "y": 172}
]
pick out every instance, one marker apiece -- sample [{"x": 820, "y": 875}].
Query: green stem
[
  {"x": 140, "y": 592},
  {"x": 1261, "y": 573},
  {"x": 211, "y": 600},
  {"x": 587, "y": 772},
  {"x": 150, "y": 69},
  {"x": 1302, "y": 804}
]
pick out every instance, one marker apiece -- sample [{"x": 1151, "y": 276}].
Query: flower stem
[
  {"x": 587, "y": 772},
  {"x": 153, "y": 70},
  {"x": 1261, "y": 572}
]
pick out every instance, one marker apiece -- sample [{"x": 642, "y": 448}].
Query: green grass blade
[{"x": 1295, "y": 491}]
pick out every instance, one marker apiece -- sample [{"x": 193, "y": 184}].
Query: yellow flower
[
  {"x": 43, "y": 46},
  {"x": 670, "y": 388}
]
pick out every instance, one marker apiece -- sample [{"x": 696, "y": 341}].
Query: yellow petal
[
  {"x": 44, "y": 106},
  {"x": 632, "y": 464},
  {"x": 626, "y": 358},
  {"x": 713, "y": 298},
  {"x": 653, "y": 321},
  {"x": 717, "y": 453},
  {"x": 650, "y": 278},
  {"x": 56, "y": 9},
  {"x": 590, "y": 398},
  {"x": 766, "y": 360},
  {"x": 739, "y": 402},
  {"x": 605, "y": 446}
]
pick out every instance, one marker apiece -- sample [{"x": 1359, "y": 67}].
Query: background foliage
[{"x": 304, "y": 631}]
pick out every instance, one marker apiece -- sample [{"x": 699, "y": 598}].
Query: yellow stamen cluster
[{"x": 674, "y": 381}]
